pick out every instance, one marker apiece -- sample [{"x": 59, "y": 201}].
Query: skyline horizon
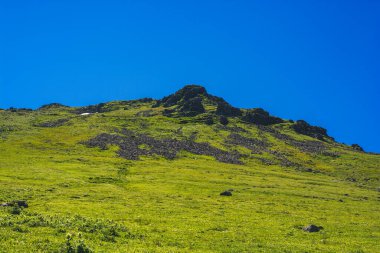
[
  {"x": 317, "y": 61},
  {"x": 244, "y": 108}
]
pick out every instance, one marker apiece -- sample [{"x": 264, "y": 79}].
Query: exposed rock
[
  {"x": 234, "y": 129},
  {"x": 209, "y": 120},
  {"x": 313, "y": 147},
  {"x": 130, "y": 104},
  {"x": 91, "y": 109},
  {"x": 55, "y": 123},
  {"x": 190, "y": 100},
  {"x": 312, "y": 228},
  {"x": 226, "y": 109},
  {"x": 226, "y": 193},
  {"x": 51, "y": 106},
  {"x": 187, "y": 92},
  {"x": 223, "y": 120},
  {"x": 192, "y": 107},
  {"x": 20, "y": 203},
  {"x": 357, "y": 147},
  {"x": 302, "y": 127},
  {"x": 168, "y": 112},
  {"x": 260, "y": 117},
  {"x": 146, "y": 113},
  {"x": 257, "y": 146},
  {"x": 130, "y": 147},
  {"x": 13, "y": 109},
  {"x": 142, "y": 100}
]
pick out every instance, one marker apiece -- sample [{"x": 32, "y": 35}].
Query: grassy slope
[{"x": 157, "y": 205}]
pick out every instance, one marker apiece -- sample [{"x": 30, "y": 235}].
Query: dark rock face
[
  {"x": 255, "y": 145},
  {"x": 189, "y": 101},
  {"x": 234, "y": 129},
  {"x": 56, "y": 123},
  {"x": 168, "y": 112},
  {"x": 312, "y": 147},
  {"x": 227, "y": 110},
  {"x": 20, "y": 203},
  {"x": 187, "y": 92},
  {"x": 357, "y": 147},
  {"x": 259, "y": 146},
  {"x": 192, "y": 107},
  {"x": 131, "y": 143},
  {"x": 91, "y": 109},
  {"x": 260, "y": 117},
  {"x": 223, "y": 120},
  {"x": 302, "y": 127},
  {"x": 143, "y": 100},
  {"x": 209, "y": 120},
  {"x": 13, "y": 109},
  {"x": 312, "y": 228},
  {"x": 51, "y": 106},
  {"x": 226, "y": 193},
  {"x": 146, "y": 113}
]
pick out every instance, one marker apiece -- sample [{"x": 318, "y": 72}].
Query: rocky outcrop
[
  {"x": 19, "y": 203},
  {"x": 227, "y": 110},
  {"x": 312, "y": 228},
  {"x": 91, "y": 109},
  {"x": 54, "y": 123},
  {"x": 257, "y": 146},
  {"x": 182, "y": 95},
  {"x": 357, "y": 147},
  {"x": 52, "y": 106},
  {"x": 226, "y": 193},
  {"x": 223, "y": 120},
  {"x": 130, "y": 146},
  {"x": 22, "y": 110},
  {"x": 192, "y": 107},
  {"x": 190, "y": 100},
  {"x": 302, "y": 127},
  {"x": 260, "y": 117}
]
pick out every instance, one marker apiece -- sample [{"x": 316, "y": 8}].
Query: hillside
[{"x": 147, "y": 176}]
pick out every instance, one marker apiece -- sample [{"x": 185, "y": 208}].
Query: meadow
[{"x": 89, "y": 199}]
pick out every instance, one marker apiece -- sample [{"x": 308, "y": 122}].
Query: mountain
[{"x": 186, "y": 173}]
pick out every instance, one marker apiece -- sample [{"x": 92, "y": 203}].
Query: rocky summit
[{"x": 186, "y": 173}]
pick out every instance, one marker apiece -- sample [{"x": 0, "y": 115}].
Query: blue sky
[{"x": 312, "y": 60}]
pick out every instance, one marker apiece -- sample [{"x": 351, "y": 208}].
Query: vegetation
[{"x": 90, "y": 198}]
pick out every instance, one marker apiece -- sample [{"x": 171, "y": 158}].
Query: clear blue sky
[{"x": 313, "y": 60}]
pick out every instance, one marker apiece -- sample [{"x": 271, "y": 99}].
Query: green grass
[{"x": 87, "y": 197}]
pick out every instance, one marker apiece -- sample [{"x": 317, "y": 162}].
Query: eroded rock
[
  {"x": 131, "y": 143},
  {"x": 302, "y": 127},
  {"x": 260, "y": 117},
  {"x": 226, "y": 193},
  {"x": 312, "y": 228}
]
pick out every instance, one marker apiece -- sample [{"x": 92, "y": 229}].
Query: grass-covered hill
[{"x": 187, "y": 173}]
